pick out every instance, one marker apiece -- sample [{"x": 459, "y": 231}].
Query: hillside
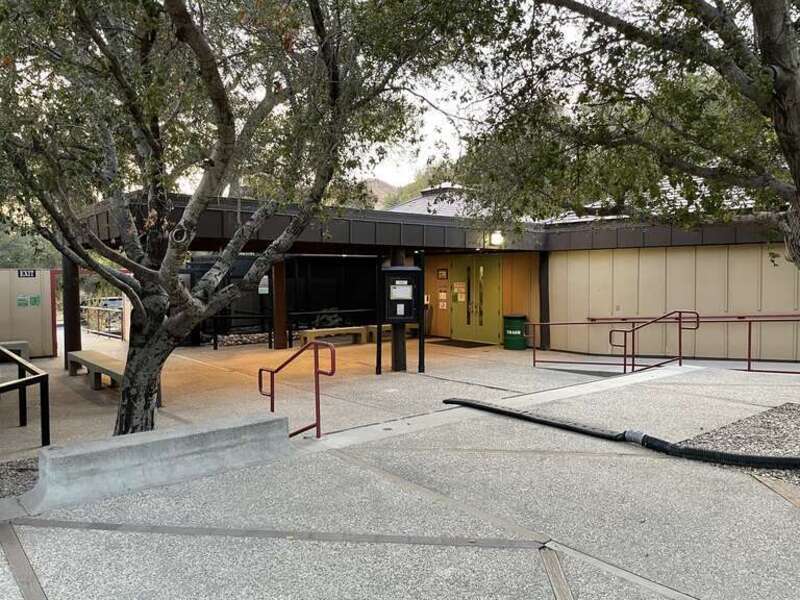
[{"x": 381, "y": 190}]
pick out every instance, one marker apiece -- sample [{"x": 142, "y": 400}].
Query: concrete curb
[{"x": 93, "y": 470}]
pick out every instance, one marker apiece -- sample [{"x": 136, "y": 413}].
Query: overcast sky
[
  {"x": 438, "y": 133},
  {"x": 403, "y": 162}
]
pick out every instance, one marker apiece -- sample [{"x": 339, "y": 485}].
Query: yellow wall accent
[
  {"x": 440, "y": 317},
  {"x": 714, "y": 280},
  {"x": 521, "y": 284},
  {"x": 520, "y": 287}
]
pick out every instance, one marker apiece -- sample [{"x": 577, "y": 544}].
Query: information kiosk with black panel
[
  {"x": 400, "y": 300},
  {"x": 401, "y": 293}
]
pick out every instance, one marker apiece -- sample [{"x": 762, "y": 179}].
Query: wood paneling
[
  {"x": 652, "y": 299},
  {"x": 440, "y": 317},
  {"x": 711, "y": 299},
  {"x": 559, "y": 292},
  {"x": 778, "y": 295},
  {"x": 578, "y": 298},
  {"x": 601, "y": 297},
  {"x": 680, "y": 293},
  {"x": 648, "y": 282},
  {"x": 521, "y": 284},
  {"x": 744, "y": 295}
]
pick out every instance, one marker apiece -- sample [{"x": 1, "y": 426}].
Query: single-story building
[{"x": 566, "y": 270}]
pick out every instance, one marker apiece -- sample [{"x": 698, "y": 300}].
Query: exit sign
[{"x": 23, "y": 273}]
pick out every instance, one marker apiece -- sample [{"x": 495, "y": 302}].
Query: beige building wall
[
  {"x": 648, "y": 282},
  {"x": 26, "y": 309}
]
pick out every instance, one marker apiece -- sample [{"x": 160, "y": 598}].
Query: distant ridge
[{"x": 380, "y": 189}]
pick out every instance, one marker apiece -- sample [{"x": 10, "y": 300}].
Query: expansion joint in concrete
[
  {"x": 292, "y": 535},
  {"x": 20, "y": 565},
  {"x": 555, "y": 574},
  {"x": 629, "y": 576}
]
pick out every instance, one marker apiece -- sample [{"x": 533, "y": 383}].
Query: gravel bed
[
  {"x": 18, "y": 476},
  {"x": 773, "y": 432},
  {"x": 240, "y": 339}
]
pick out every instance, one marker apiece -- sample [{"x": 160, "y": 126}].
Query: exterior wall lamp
[{"x": 496, "y": 238}]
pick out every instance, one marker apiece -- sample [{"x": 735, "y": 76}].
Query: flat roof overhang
[
  {"x": 354, "y": 231},
  {"x": 345, "y": 230}
]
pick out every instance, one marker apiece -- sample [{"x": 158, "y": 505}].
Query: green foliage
[
  {"x": 26, "y": 251},
  {"x": 582, "y": 116}
]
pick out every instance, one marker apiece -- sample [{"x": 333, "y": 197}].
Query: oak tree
[{"x": 126, "y": 102}]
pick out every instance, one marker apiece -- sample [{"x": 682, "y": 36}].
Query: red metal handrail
[
  {"x": 675, "y": 316},
  {"x": 317, "y": 372},
  {"x": 724, "y": 318}
]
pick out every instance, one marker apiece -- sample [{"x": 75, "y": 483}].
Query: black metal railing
[{"x": 29, "y": 375}]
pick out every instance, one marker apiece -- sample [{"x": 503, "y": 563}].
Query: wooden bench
[
  {"x": 359, "y": 334},
  {"x": 21, "y": 347},
  {"x": 371, "y": 329},
  {"x": 99, "y": 364}
]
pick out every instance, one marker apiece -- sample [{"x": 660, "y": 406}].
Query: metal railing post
[
  {"x": 271, "y": 392},
  {"x": 749, "y": 345},
  {"x": 23, "y": 398},
  {"x": 680, "y": 339},
  {"x": 624, "y": 352},
  {"x": 533, "y": 340},
  {"x": 316, "y": 392},
  {"x": 633, "y": 347},
  {"x": 44, "y": 412},
  {"x": 314, "y": 346}
]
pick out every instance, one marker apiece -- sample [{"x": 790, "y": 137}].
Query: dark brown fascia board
[
  {"x": 534, "y": 237},
  {"x": 653, "y": 235}
]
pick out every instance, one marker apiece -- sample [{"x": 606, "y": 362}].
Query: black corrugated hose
[{"x": 642, "y": 439}]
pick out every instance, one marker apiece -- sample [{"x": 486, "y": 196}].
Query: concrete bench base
[
  {"x": 359, "y": 334},
  {"x": 371, "y": 329},
  {"x": 92, "y": 470},
  {"x": 21, "y": 347}
]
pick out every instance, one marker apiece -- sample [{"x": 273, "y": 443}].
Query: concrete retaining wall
[{"x": 92, "y": 470}]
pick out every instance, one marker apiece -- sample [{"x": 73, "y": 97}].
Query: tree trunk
[
  {"x": 140, "y": 383},
  {"x": 791, "y": 235}
]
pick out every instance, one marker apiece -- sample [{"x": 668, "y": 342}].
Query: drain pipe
[{"x": 639, "y": 438}]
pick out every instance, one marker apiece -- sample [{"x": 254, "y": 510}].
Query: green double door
[{"x": 476, "y": 298}]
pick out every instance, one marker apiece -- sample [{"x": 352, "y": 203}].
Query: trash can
[{"x": 514, "y": 332}]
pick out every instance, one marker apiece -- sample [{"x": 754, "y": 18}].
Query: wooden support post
[
  {"x": 422, "y": 313},
  {"x": 279, "y": 310},
  {"x": 379, "y": 300},
  {"x": 72, "y": 307}
]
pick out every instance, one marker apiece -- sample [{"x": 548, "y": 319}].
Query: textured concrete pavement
[{"x": 437, "y": 502}]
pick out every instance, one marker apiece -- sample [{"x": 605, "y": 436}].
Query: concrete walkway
[
  {"x": 446, "y": 503},
  {"x": 201, "y": 384}
]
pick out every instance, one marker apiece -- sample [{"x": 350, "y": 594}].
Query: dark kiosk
[{"x": 402, "y": 301}]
